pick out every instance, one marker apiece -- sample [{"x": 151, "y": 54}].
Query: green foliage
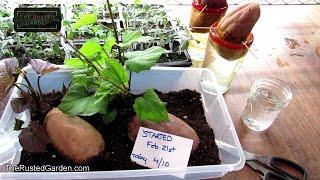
[
  {"x": 90, "y": 93},
  {"x": 154, "y": 21},
  {"x": 90, "y": 49},
  {"x": 143, "y": 60},
  {"x": 85, "y": 19},
  {"x": 129, "y": 37},
  {"x": 109, "y": 116},
  {"x": 108, "y": 44},
  {"x": 80, "y": 9},
  {"x": 185, "y": 44},
  {"x": 150, "y": 107},
  {"x": 86, "y": 31},
  {"x": 115, "y": 72},
  {"x": 137, "y": 1},
  {"x": 78, "y": 101},
  {"x": 101, "y": 78},
  {"x": 31, "y": 45},
  {"x": 4, "y": 12},
  {"x": 74, "y": 63}
]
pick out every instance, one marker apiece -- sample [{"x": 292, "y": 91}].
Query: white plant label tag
[{"x": 155, "y": 149}]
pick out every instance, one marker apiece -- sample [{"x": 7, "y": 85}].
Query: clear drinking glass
[{"x": 267, "y": 97}]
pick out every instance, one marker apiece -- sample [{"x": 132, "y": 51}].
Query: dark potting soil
[{"x": 185, "y": 104}]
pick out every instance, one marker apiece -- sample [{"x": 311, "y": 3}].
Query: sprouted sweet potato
[
  {"x": 236, "y": 25},
  {"x": 175, "y": 126},
  {"x": 73, "y": 137},
  {"x": 204, "y": 13}
]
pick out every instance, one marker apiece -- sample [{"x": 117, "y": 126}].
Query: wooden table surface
[{"x": 295, "y": 134}]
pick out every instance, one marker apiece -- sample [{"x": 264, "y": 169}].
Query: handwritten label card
[{"x": 155, "y": 149}]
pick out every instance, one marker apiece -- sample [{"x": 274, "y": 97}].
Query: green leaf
[
  {"x": 97, "y": 105},
  {"x": 70, "y": 35},
  {"x": 74, "y": 63},
  {"x": 109, "y": 42},
  {"x": 85, "y": 77},
  {"x": 85, "y": 19},
  {"x": 143, "y": 60},
  {"x": 184, "y": 45},
  {"x": 115, "y": 72},
  {"x": 56, "y": 48},
  {"x": 129, "y": 37},
  {"x": 90, "y": 49},
  {"x": 77, "y": 101},
  {"x": 106, "y": 88},
  {"x": 150, "y": 107},
  {"x": 137, "y": 1},
  {"x": 109, "y": 116}
]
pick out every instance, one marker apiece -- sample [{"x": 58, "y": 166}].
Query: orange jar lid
[
  {"x": 226, "y": 44},
  {"x": 200, "y": 7}
]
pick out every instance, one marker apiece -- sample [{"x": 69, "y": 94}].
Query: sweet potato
[
  {"x": 236, "y": 25},
  {"x": 213, "y": 3},
  {"x": 73, "y": 136},
  {"x": 175, "y": 126}
]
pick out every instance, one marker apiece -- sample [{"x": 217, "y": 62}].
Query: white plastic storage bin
[{"x": 164, "y": 79}]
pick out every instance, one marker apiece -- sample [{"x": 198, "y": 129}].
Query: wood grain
[{"x": 295, "y": 134}]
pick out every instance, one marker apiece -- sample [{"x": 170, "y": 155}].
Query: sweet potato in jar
[
  {"x": 206, "y": 13},
  {"x": 224, "y": 58}
]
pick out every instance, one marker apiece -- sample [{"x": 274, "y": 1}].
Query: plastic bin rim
[{"x": 192, "y": 169}]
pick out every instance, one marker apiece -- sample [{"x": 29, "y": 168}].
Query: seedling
[
  {"x": 157, "y": 25},
  {"x": 80, "y": 9},
  {"x": 29, "y": 45},
  {"x": 102, "y": 78},
  {"x": 85, "y": 32},
  {"x": 4, "y": 12}
]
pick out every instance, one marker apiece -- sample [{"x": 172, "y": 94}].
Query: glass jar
[
  {"x": 202, "y": 17},
  {"x": 268, "y": 96},
  {"x": 224, "y": 58}
]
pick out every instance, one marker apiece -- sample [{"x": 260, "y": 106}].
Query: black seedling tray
[{"x": 175, "y": 58}]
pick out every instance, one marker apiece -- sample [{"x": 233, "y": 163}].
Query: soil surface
[{"x": 185, "y": 104}]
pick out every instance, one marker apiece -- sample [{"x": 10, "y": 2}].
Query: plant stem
[
  {"x": 83, "y": 56},
  {"x": 29, "y": 88},
  {"x": 33, "y": 93},
  {"x": 99, "y": 65},
  {"x": 123, "y": 88},
  {"x": 29, "y": 84},
  {"x": 115, "y": 32},
  {"x": 105, "y": 52},
  {"x": 16, "y": 85},
  {"x": 129, "y": 81},
  {"x": 40, "y": 92}
]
